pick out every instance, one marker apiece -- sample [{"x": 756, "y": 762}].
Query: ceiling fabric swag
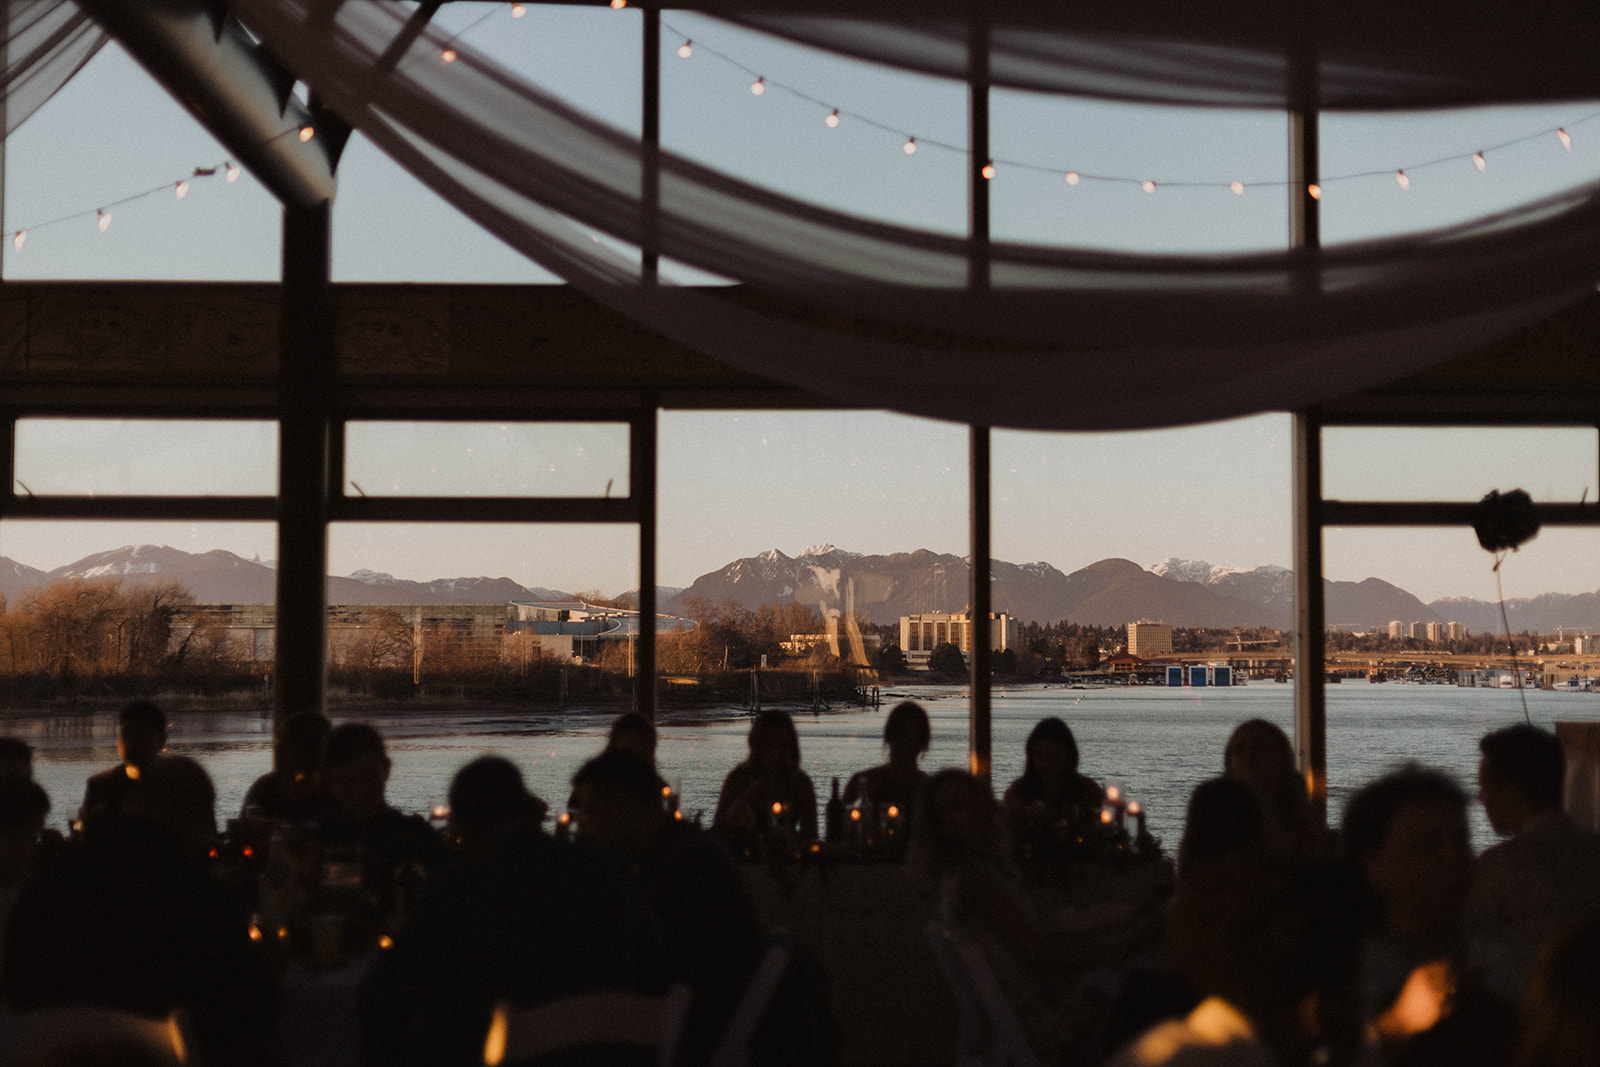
[
  {"x": 867, "y": 312},
  {"x": 45, "y": 42}
]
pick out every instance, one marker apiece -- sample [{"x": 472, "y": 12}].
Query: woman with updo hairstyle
[
  {"x": 771, "y": 775},
  {"x": 906, "y": 734}
]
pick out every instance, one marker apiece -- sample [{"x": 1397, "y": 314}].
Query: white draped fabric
[
  {"x": 867, "y": 312},
  {"x": 45, "y": 42}
]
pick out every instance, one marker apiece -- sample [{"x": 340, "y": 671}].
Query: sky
[{"x": 733, "y": 484}]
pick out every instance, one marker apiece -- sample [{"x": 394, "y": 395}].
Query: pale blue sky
[{"x": 733, "y": 484}]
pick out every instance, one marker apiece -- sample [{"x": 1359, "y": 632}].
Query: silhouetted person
[
  {"x": 128, "y": 919},
  {"x": 1050, "y": 780},
  {"x": 1546, "y": 877},
  {"x": 391, "y": 847},
  {"x": 1259, "y": 754},
  {"x": 141, "y": 735},
  {"x": 710, "y": 935},
  {"x": 524, "y": 919},
  {"x": 294, "y": 790},
  {"x": 1223, "y": 818},
  {"x": 23, "y": 808},
  {"x": 487, "y": 795},
  {"x": 1405, "y": 837},
  {"x": 770, "y": 776},
  {"x": 635, "y": 734},
  {"x": 906, "y": 734},
  {"x": 16, "y": 758}
]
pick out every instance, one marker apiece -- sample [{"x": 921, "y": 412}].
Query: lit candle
[{"x": 1137, "y": 811}]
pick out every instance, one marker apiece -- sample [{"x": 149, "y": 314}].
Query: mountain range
[{"x": 882, "y": 587}]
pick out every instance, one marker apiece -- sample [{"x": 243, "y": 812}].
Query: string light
[
  {"x": 1478, "y": 161},
  {"x": 988, "y": 170},
  {"x": 517, "y": 11},
  {"x": 686, "y": 49},
  {"x": 233, "y": 172},
  {"x": 1401, "y": 179},
  {"x": 448, "y": 55},
  {"x": 19, "y": 240},
  {"x": 910, "y": 147},
  {"x": 1149, "y": 186},
  {"x": 181, "y": 190},
  {"x": 1073, "y": 177},
  {"x": 618, "y": 5},
  {"x": 1237, "y": 187},
  {"x": 758, "y": 87},
  {"x": 832, "y": 121},
  {"x": 1566, "y": 139},
  {"x": 1314, "y": 191},
  {"x": 306, "y": 133},
  {"x": 104, "y": 217}
]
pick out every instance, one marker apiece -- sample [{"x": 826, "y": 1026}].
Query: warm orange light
[
  {"x": 910, "y": 147},
  {"x": 385, "y": 941},
  {"x": 255, "y": 933},
  {"x": 894, "y": 811},
  {"x": 1105, "y": 817},
  {"x": 1401, "y": 179},
  {"x": 758, "y": 86},
  {"x": 19, "y": 240},
  {"x": 494, "y": 1046},
  {"x": 441, "y": 811},
  {"x": 777, "y": 807},
  {"x": 306, "y": 133},
  {"x": 564, "y": 818},
  {"x": 1314, "y": 191},
  {"x": 448, "y": 55},
  {"x": 248, "y": 851},
  {"x": 666, "y": 790},
  {"x": 815, "y": 847},
  {"x": 619, "y": 4},
  {"x": 1478, "y": 161},
  {"x": 1134, "y": 807},
  {"x": 1073, "y": 177},
  {"x": 517, "y": 11},
  {"x": 1566, "y": 139},
  {"x": 988, "y": 170},
  {"x": 1238, "y": 188},
  {"x": 212, "y": 853},
  {"x": 1113, "y": 793},
  {"x": 233, "y": 172},
  {"x": 678, "y": 815},
  {"x": 283, "y": 933},
  {"x": 181, "y": 190},
  {"x": 855, "y": 814},
  {"x": 832, "y": 121},
  {"x": 686, "y": 49},
  {"x": 105, "y": 220}
]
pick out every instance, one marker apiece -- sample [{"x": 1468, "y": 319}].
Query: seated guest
[
  {"x": 1546, "y": 876},
  {"x": 635, "y": 734},
  {"x": 710, "y": 935},
  {"x": 485, "y": 796},
  {"x": 392, "y": 847},
  {"x": 16, "y": 758},
  {"x": 1274, "y": 950},
  {"x": 1405, "y": 838},
  {"x": 1258, "y": 754},
  {"x": 1050, "y": 786},
  {"x": 23, "y": 807},
  {"x": 524, "y": 919},
  {"x": 141, "y": 735},
  {"x": 128, "y": 919},
  {"x": 906, "y": 735},
  {"x": 1223, "y": 818},
  {"x": 771, "y": 776},
  {"x": 293, "y": 791},
  {"x": 960, "y": 854}
]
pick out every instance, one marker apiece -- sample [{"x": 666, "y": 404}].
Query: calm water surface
[{"x": 1159, "y": 742}]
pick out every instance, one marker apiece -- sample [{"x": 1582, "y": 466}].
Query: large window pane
[
  {"x": 1459, "y": 463},
  {"x": 146, "y": 457},
  {"x": 573, "y": 459}
]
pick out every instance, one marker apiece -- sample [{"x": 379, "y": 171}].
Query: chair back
[
  {"x": 734, "y": 1048},
  {"x": 47, "y": 1033},
  {"x": 605, "y": 1028},
  {"x": 988, "y": 1030}
]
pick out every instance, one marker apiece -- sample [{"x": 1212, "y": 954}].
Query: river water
[{"x": 1159, "y": 742}]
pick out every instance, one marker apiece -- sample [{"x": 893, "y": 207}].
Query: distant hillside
[{"x": 222, "y": 577}]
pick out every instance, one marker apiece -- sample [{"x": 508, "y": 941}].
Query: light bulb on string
[
  {"x": 1566, "y": 139},
  {"x": 1314, "y": 191},
  {"x": 19, "y": 240},
  {"x": 1401, "y": 179},
  {"x": 517, "y": 11},
  {"x": 1479, "y": 162},
  {"x": 758, "y": 86},
  {"x": 618, "y": 5},
  {"x": 181, "y": 190},
  {"x": 233, "y": 172},
  {"x": 1073, "y": 177},
  {"x": 910, "y": 147},
  {"x": 1237, "y": 187},
  {"x": 306, "y": 133},
  {"x": 686, "y": 49},
  {"x": 103, "y": 218},
  {"x": 1148, "y": 186},
  {"x": 448, "y": 55},
  {"x": 832, "y": 121},
  {"x": 988, "y": 170}
]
